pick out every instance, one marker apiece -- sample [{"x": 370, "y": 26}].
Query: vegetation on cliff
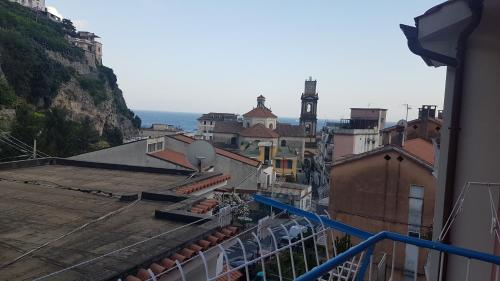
[{"x": 30, "y": 80}]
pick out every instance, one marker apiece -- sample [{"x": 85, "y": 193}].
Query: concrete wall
[
  {"x": 478, "y": 149},
  {"x": 372, "y": 194},
  {"x": 295, "y": 143},
  {"x": 133, "y": 154},
  {"x": 343, "y": 145},
  {"x": 242, "y": 175},
  {"x": 224, "y": 138}
]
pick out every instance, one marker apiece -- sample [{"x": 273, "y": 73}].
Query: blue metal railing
[{"x": 368, "y": 243}]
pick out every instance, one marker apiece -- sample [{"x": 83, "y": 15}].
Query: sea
[{"x": 188, "y": 122}]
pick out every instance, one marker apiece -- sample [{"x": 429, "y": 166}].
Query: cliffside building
[
  {"x": 38, "y": 5},
  {"x": 87, "y": 41}
]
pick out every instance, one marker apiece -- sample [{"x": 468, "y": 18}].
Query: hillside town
[{"x": 249, "y": 197}]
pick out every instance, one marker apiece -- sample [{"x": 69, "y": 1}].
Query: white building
[
  {"x": 360, "y": 133},
  {"x": 206, "y": 124},
  {"x": 33, "y": 4}
]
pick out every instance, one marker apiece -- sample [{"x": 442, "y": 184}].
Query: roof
[
  {"x": 260, "y": 112},
  {"x": 420, "y": 148},
  {"x": 369, "y": 108},
  {"x": 380, "y": 150},
  {"x": 259, "y": 131},
  {"x": 206, "y": 183},
  {"x": 285, "y": 152},
  {"x": 288, "y": 130},
  {"x": 413, "y": 122},
  {"x": 228, "y": 127},
  {"x": 41, "y": 203},
  {"x": 218, "y": 116},
  {"x": 173, "y": 157},
  {"x": 221, "y": 152}
]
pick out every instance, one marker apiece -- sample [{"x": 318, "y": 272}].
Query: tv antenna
[{"x": 201, "y": 154}]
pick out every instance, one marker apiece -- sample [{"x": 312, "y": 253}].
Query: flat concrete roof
[{"x": 41, "y": 203}]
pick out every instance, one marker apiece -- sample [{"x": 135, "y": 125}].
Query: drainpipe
[
  {"x": 456, "y": 108},
  {"x": 476, "y": 7}
]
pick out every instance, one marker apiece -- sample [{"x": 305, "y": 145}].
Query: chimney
[{"x": 426, "y": 112}]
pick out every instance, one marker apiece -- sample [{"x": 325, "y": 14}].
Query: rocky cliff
[{"x": 41, "y": 68}]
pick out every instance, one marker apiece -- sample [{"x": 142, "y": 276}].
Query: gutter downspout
[
  {"x": 415, "y": 47},
  {"x": 456, "y": 108}
]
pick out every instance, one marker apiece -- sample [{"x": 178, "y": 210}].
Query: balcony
[{"x": 299, "y": 246}]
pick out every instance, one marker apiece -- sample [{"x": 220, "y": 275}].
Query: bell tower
[{"x": 308, "y": 111}]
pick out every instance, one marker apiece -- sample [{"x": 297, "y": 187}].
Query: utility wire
[
  {"x": 127, "y": 247},
  {"x": 68, "y": 233}
]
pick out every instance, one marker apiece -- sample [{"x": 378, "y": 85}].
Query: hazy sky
[{"x": 201, "y": 56}]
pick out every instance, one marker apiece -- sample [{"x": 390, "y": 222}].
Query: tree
[{"x": 69, "y": 27}]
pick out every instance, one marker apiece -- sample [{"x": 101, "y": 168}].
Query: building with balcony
[
  {"x": 87, "y": 41},
  {"x": 360, "y": 133},
  {"x": 206, "y": 124}
]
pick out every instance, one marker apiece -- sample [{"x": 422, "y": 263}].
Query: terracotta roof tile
[
  {"x": 259, "y": 131},
  {"x": 167, "y": 263},
  {"x": 173, "y": 157},
  {"x": 156, "y": 268},
  {"x": 185, "y": 254},
  {"x": 222, "y": 152},
  {"x": 260, "y": 112},
  {"x": 193, "y": 187},
  {"x": 420, "y": 148},
  {"x": 288, "y": 130}
]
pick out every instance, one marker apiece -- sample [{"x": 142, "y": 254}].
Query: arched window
[
  {"x": 283, "y": 143},
  {"x": 308, "y": 107},
  {"x": 271, "y": 126}
]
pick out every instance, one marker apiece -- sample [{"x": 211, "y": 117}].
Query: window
[
  {"x": 308, "y": 107},
  {"x": 271, "y": 126},
  {"x": 151, "y": 147},
  {"x": 159, "y": 146},
  {"x": 283, "y": 143},
  {"x": 289, "y": 164},
  {"x": 204, "y": 122},
  {"x": 278, "y": 163}
]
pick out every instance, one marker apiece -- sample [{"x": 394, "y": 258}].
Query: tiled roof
[
  {"x": 259, "y": 131},
  {"x": 383, "y": 149},
  {"x": 204, "y": 206},
  {"x": 228, "y": 127},
  {"x": 173, "y": 157},
  {"x": 185, "y": 254},
  {"x": 436, "y": 121},
  {"x": 421, "y": 148},
  {"x": 260, "y": 112},
  {"x": 193, "y": 187},
  {"x": 222, "y": 152},
  {"x": 288, "y": 130}
]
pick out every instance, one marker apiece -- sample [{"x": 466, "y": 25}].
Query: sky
[{"x": 206, "y": 56}]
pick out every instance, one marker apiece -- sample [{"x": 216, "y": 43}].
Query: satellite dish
[
  {"x": 201, "y": 154},
  {"x": 402, "y": 123}
]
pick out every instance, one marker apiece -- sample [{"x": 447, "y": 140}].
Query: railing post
[{"x": 366, "y": 260}]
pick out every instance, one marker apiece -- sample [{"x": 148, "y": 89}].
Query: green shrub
[{"x": 95, "y": 87}]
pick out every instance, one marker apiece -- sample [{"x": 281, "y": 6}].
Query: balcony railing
[{"x": 301, "y": 247}]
